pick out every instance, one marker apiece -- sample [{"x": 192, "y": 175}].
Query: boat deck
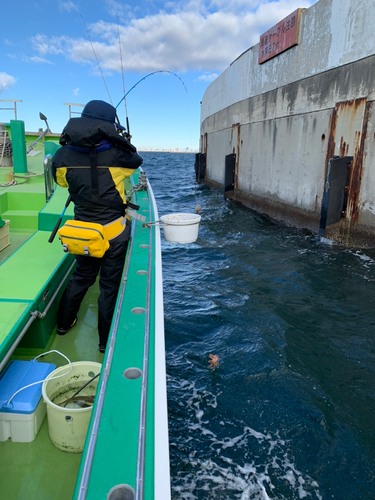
[
  {"x": 38, "y": 469},
  {"x": 28, "y": 470},
  {"x": 121, "y": 443}
]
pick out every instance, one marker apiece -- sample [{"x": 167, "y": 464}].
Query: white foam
[{"x": 221, "y": 465}]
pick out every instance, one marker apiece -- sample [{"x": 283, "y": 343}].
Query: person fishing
[{"x": 92, "y": 163}]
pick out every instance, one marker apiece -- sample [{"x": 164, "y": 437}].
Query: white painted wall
[
  {"x": 285, "y": 107},
  {"x": 332, "y": 33}
]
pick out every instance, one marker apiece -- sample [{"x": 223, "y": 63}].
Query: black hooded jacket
[{"x": 116, "y": 160}]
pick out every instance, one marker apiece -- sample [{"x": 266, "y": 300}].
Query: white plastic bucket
[
  {"x": 68, "y": 426},
  {"x": 180, "y": 228}
]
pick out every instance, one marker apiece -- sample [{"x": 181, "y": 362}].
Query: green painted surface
[
  {"x": 22, "y": 219},
  {"x": 38, "y": 469},
  {"x": 117, "y": 441},
  {"x": 50, "y": 214},
  {"x": 9, "y": 311},
  {"x": 17, "y": 200},
  {"x": 150, "y": 421},
  {"x": 23, "y": 276},
  {"x": 50, "y": 147},
  {"x": 3, "y": 201},
  {"x": 26, "y": 277},
  {"x": 17, "y": 128},
  {"x": 16, "y": 240}
]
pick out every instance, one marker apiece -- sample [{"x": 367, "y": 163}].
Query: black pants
[{"x": 111, "y": 267}]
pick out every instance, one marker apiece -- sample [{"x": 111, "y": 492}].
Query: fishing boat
[{"x": 125, "y": 453}]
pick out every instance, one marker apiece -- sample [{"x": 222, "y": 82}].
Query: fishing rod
[
  {"x": 123, "y": 79},
  {"x": 197, "y": 205},
  {"x": 97, "y": 60},
  {"x": 55, "y": 229},
  {"x": 144, "y": 78}
]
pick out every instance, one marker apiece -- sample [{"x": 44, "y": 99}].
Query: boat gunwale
[{"x": 86, "y": 470}]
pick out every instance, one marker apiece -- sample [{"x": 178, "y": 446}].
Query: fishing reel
[{"x": 125, "y": 134}]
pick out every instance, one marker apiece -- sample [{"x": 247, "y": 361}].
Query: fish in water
[
  {"x": 80, "y": 401},
  {"x": 214, "y": 360}
]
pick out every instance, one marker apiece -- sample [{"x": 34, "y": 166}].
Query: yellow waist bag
[{"x": 83, "y": 238}]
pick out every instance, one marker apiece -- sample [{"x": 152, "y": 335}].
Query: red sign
[{"x": 280, "y": 38}]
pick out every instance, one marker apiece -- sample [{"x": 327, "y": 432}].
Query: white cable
[{"x": 41, "y": 381}]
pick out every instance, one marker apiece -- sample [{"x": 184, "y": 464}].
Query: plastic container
[
  {"x": 180, "y": 228},
  {"x": 21, "y": 419},
  {"x": 68, "y": 426}
]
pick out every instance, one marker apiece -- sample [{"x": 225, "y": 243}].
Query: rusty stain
[
  {"x": 346, "y": 190},
  {"x": 331, "y": 137},
  {"x": 343, "y": 147},
  {"x": 237, "y": 156},
  {"x": 349, "y": 110},
  {"x": 236, "y": 149},
  {"x": 356, "y": 178},
  {"x": 353, "y": 103}
]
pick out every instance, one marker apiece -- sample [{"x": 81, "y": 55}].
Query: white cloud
[
  {"x": 76, "y": 91},
  {"x": 40, "y": 60},
  {"x": 117, "y": 9},
  {"x": 208, "y": 78},
  {"x": 43, "y": 45},
  {"x": 6, "y": 82},
  {"x": 192, "y": 38},
  {"x": 68, "y": 6},
  {"x": 36, "y": 59}
]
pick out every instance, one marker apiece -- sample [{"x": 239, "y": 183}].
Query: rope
[
  {"x": 27, "y": 176},
  {"x": 141, "y": 186}
]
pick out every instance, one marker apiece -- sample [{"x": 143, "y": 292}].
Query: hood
[
  {"x": 101, "y": 110},
  {"x": 85, "y": 132}
]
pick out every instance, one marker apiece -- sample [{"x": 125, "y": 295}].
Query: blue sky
[{"x": 50, "y": 51}]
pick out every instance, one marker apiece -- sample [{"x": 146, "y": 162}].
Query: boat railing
[
  {"x": 4, "y": 143},
  {"x": 49, "y": 183},
  {"x": 14, "y": 108},
  {"x": 70, "y": 104}
]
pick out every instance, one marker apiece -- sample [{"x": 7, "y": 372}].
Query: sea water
[{"x": 289, "y": 412}]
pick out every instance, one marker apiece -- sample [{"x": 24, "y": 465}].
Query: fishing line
[
  {"x": 144, "y": 78},
  {"x": 97, "y": 60},
  {"x": 123, "y": 79},
  {"x": 198, "y": 208}
]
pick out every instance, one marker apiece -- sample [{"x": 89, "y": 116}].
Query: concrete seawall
[{"x": 286, "y": 126}]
